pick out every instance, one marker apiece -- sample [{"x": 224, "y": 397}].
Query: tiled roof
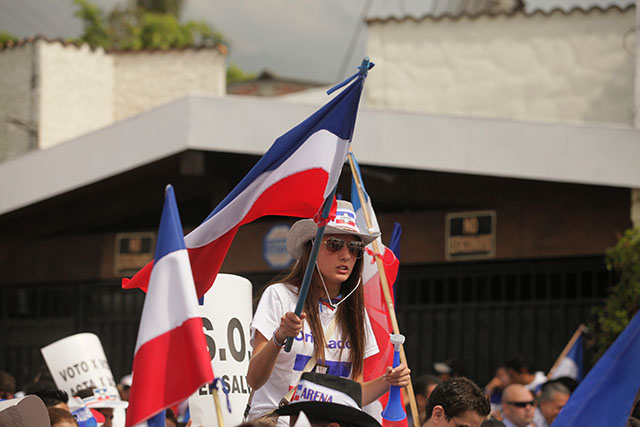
[
  {"x": 464, "y": 13},
  {"x": 30, "y": 40}
]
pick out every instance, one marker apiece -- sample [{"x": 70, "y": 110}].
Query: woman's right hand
[{"x": 290, "y": 325}]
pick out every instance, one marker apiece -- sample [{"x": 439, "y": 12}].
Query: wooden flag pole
[
  {"x": 216, "y": 402},
  {"x": 567, "y": 347},
  {"x": 385, "y": 287}
]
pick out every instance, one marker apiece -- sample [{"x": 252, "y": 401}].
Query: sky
[{"x": 303, "y": 39}]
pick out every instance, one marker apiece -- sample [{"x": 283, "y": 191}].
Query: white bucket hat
[{"x": 344, "y": 223}]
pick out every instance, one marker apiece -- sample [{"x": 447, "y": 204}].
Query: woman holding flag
[{"x": 333, "y": 334}]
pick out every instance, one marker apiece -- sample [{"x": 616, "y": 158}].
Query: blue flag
[{"x": 606, "y": 395}]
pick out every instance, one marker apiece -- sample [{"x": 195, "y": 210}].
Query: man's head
[
  {"x": 61, "y": 418},
  {"x": 7, "y": 385},
  {"x": 519, "y": 370},
  {"x": 553, "y": 396},
  {"x": 518, "y": 405},
  {"x": 50, "y": 394},
  {"x": 423, "y": 386},
  {"x": 457, "y": 402}
]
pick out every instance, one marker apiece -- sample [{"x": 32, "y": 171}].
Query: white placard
[
  {"x": 78, "y": 362},
  {"x": 25, "y": 411},
  {"x": 226, "y": 316}
]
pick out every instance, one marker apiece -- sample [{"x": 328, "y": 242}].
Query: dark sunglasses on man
[
  {"x": 335, "y": 244},
  {"x": 522, "y": 404}
]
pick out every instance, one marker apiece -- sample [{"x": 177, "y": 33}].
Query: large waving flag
[
  {"x": 606, "y": 396},
  {"x": 171, "y": 360},
  {"x": 374, "y": 299},
  {"x": 293, "y": 178}
]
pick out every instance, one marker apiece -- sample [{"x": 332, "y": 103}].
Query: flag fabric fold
[
  {"x": 293, "y": 178},
  {"x": 375, "y": 301},
  {"x": 606, "y": 395},
  {"x": 171, "y": 360}
]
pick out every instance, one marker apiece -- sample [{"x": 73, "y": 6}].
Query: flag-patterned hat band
[
  {"x": 344, "y": 223},
  {"x": 104, "y": 398}
]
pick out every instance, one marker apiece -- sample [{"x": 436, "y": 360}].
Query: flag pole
[
  {"x": 216, "y": 402},
  {"x": 326, "y": 210},
  {"x": 385, "y": 285},
  {"x": 582, "y": 328},
  {"x": 306, "y": 281}
]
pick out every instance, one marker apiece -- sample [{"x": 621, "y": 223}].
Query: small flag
[
  {"x": 572, "y": 364},
  {"x": 171, "y": 360},
  {"x": 293, "y": 178},
  {"x": 606, "y": 395}
]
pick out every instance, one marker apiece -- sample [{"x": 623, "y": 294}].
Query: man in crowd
[
  {"x": 422, "y": 388},
  {"x": 7, "y": 385},
  {"x": 457, "y": 402},
  {"x": 50, "y": 394},
  {"x": 517, "y": 406},
  {"x": 553, "y": 396},
  {"x": 520, "y": 372}
]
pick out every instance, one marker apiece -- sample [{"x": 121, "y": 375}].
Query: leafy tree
[
  {"x": 235, "y": 74},
  {"x": 94, "y": 26},
  {"x": 148, "y": 24},
  {"x": 6, "y": 37},
  {"x": 133, "y": 26},
  {"x": 624, "y": 300},
  {"x": 170, "y": 7}
]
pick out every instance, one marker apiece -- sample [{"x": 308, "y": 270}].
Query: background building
[{"x": 505, "y": 144}]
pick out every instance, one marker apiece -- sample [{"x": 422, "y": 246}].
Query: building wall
[
  {"x": 144, "y": 80},
  {"x": 76, "y": 91},
  {"x": 18, "y": 111},
  {"x": 548, "y": 68},
  {"x": 51, "y": 92}
]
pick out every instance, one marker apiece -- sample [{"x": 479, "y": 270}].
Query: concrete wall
[
  {"x": 547, "y": 68},
  {"x": 18, "y": 107},
  {"x": 76, "y": 91},
  {"x": 144, "y": 80},
  {"x": 51, "y": 92}
]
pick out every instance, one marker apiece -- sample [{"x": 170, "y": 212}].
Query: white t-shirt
[{"x": 277, "y": 300}]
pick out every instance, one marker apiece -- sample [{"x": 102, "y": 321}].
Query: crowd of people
[{"x": 320, "y": 381}]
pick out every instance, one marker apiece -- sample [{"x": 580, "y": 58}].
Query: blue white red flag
[
  {"x": 572, "y": 364},
  {"x": 293, "y": 178},
  {"x": 374, "y": 299},
  {"x": 171, "y": 360},
  {"x": 606, "y": 395}
]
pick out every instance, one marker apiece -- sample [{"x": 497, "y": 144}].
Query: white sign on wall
[
  {"x": 226, "y": 317},
  {"x": 78, "y": 362}
]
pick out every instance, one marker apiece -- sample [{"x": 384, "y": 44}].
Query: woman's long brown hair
[{"x": 350, "y": 313}]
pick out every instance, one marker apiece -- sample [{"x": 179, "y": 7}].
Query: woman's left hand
[{"x": 399, "y": 376}]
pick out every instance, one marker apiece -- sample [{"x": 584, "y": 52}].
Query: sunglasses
[
  {"x": 521, "y": 404},
  {"x": 335, "y": 244}
]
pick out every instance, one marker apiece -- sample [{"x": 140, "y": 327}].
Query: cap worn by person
[
  {"x": 329, "y": 398},
  {"x": 102, "y": 398},
  {"x": 344, "y": 223},
  {"x": 450, "y": 367}
]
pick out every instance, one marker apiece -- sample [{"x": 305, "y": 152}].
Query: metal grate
[{"x": 483, "y": 313}]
